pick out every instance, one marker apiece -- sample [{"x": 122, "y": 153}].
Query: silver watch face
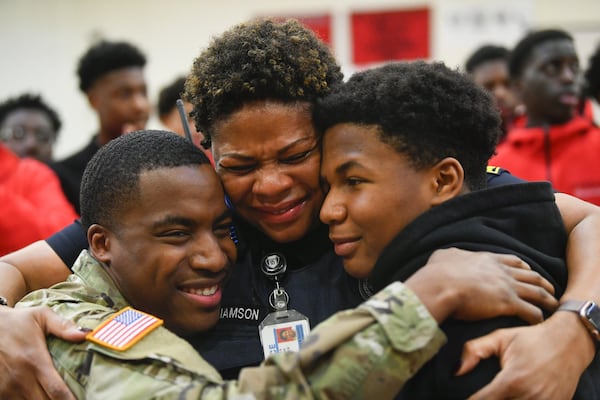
[{"x": 593, "y": 315}]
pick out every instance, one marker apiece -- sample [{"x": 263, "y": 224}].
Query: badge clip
[{"x": 282, "y": 330}]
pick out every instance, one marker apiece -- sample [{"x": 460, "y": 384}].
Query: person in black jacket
[
  {"x": 405, "y": 150},
  {"x": 111, "y": 75},
  {"x": 253, "y": 89}
]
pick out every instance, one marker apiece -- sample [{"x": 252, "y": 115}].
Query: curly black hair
[
  {"x": 168, "y": 96},
  {"x": 32, "y": 102},
  {"x": 424, "y": 110},
  {"x": 110, "y": 180},
  {"x": 104, "y": 57},
  {"x": 592, "y": 76},
  {"x": 258, "y": 60},
  {"x": 486, "y": 53},
  {"x": 520, "y": 54}
]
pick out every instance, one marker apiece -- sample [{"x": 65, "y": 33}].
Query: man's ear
[
  {"x": 92, "y": 98},
  {"x": 100, "y": 240},
  {"x": 449, "y": 179}
]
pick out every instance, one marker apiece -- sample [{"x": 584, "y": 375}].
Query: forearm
[
  {"x": 582, "y": 221},
  {"x": 583, "y": 261},
  {"x": 370, "y": 351},
  {"x": 33, "y": 267},
  {"x": 12, "y": 283}
]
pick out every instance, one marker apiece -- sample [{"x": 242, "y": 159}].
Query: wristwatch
[{"x": 588, "y": 312}]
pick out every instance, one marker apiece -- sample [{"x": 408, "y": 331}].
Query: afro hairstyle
[
  {"x": 105, "y": 57},
  {"x": 425, "y": 111},
  {"x": 258, "y": 60}
]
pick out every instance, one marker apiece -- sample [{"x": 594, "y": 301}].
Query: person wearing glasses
[{"x": 29, "y": 127}]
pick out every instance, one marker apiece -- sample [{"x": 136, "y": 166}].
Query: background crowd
[{"x": 546, "y": 101}]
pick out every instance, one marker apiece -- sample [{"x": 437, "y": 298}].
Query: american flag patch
[{"x": 124, "y": 329}]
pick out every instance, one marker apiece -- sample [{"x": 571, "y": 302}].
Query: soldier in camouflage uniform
[
  {"x": 367, "y": 351},
  {"x": 159, "y": 228}
]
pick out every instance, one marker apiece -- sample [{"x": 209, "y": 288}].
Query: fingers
[
  {"x": 536, "y": 296},
  {"x": 531, "y": 277},
  {"x": 478, "y": 349},
  {"x": 26, "y": 365},
  {"x": 528, "y": 312},
  {"x": 53, "y": 385},
  {"x": 533, "y": 288},
  {"x": 12, "y": 389},
  {"x": 526, "y": 302},
  {"x": 510, "y": 260},
  {"x": 53, "y": 324},
  {"x": 48, "y": 383}
]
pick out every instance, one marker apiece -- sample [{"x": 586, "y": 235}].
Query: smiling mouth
[
  {"x": 285, "y": 214},
  {"x": 280, "y": 210},
  {"x": 207, "y": 291}
]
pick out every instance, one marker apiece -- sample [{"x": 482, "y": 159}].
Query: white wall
[{"x": 42, "y": 40}]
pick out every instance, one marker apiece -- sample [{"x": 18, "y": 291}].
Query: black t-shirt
[
  {"x": 69, "y": 242},
  {"x": 70, "y": 171}
]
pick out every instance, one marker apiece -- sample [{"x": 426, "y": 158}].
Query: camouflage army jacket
[{"x": 365, "y": 352}]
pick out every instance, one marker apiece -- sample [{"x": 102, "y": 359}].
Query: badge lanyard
[{"x": 283, "y": 329}]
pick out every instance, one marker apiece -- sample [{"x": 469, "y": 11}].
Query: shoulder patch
[
  {"x": 493, "y": 170},
  {"x": 124, "y": 329}
]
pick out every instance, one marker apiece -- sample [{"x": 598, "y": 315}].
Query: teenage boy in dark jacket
[{"x": 405, "y": 149}]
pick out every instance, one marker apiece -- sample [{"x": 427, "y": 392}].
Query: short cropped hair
[
  {"x": 31, "y": 102},
  {"x": 522, "y": 51},
  {"x": 592, "y": 76},
  {"x": 105, "y": 57},
  {"x": 486, "y": 53},
  {"x": 258, "y": 60},
  {"x": 110, "y": 181},
  {"x": 424, "y": 111},
  {"x": 168, "y": 96}
]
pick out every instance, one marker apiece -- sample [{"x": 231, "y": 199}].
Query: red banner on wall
[
  {"x": 319, "y": 24},
  {"x": 391, "y": 35}
]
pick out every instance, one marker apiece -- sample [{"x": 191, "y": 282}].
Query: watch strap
[{"x": 589, "y": 314}]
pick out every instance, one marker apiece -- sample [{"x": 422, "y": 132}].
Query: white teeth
[
  {"x": 209, "y": 291},
  {"x": 282, "y": 211}
]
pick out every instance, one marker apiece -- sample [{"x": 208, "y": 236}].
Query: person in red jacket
[
  {"x": 554, "y": 143},
  {"x": 33, "y": 204}
]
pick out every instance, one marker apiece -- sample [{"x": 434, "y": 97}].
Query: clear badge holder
[{"x": 282, "y": 330}]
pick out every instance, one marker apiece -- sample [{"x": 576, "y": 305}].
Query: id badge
[{"x": 283, "y": 331}]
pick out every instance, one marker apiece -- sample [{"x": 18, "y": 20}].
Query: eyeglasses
[{"x": 20, "y": 133}]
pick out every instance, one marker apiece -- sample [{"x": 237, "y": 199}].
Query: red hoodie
[
  {"x": 32, "y": 204},
  {"x": 567, "y": 155}
]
